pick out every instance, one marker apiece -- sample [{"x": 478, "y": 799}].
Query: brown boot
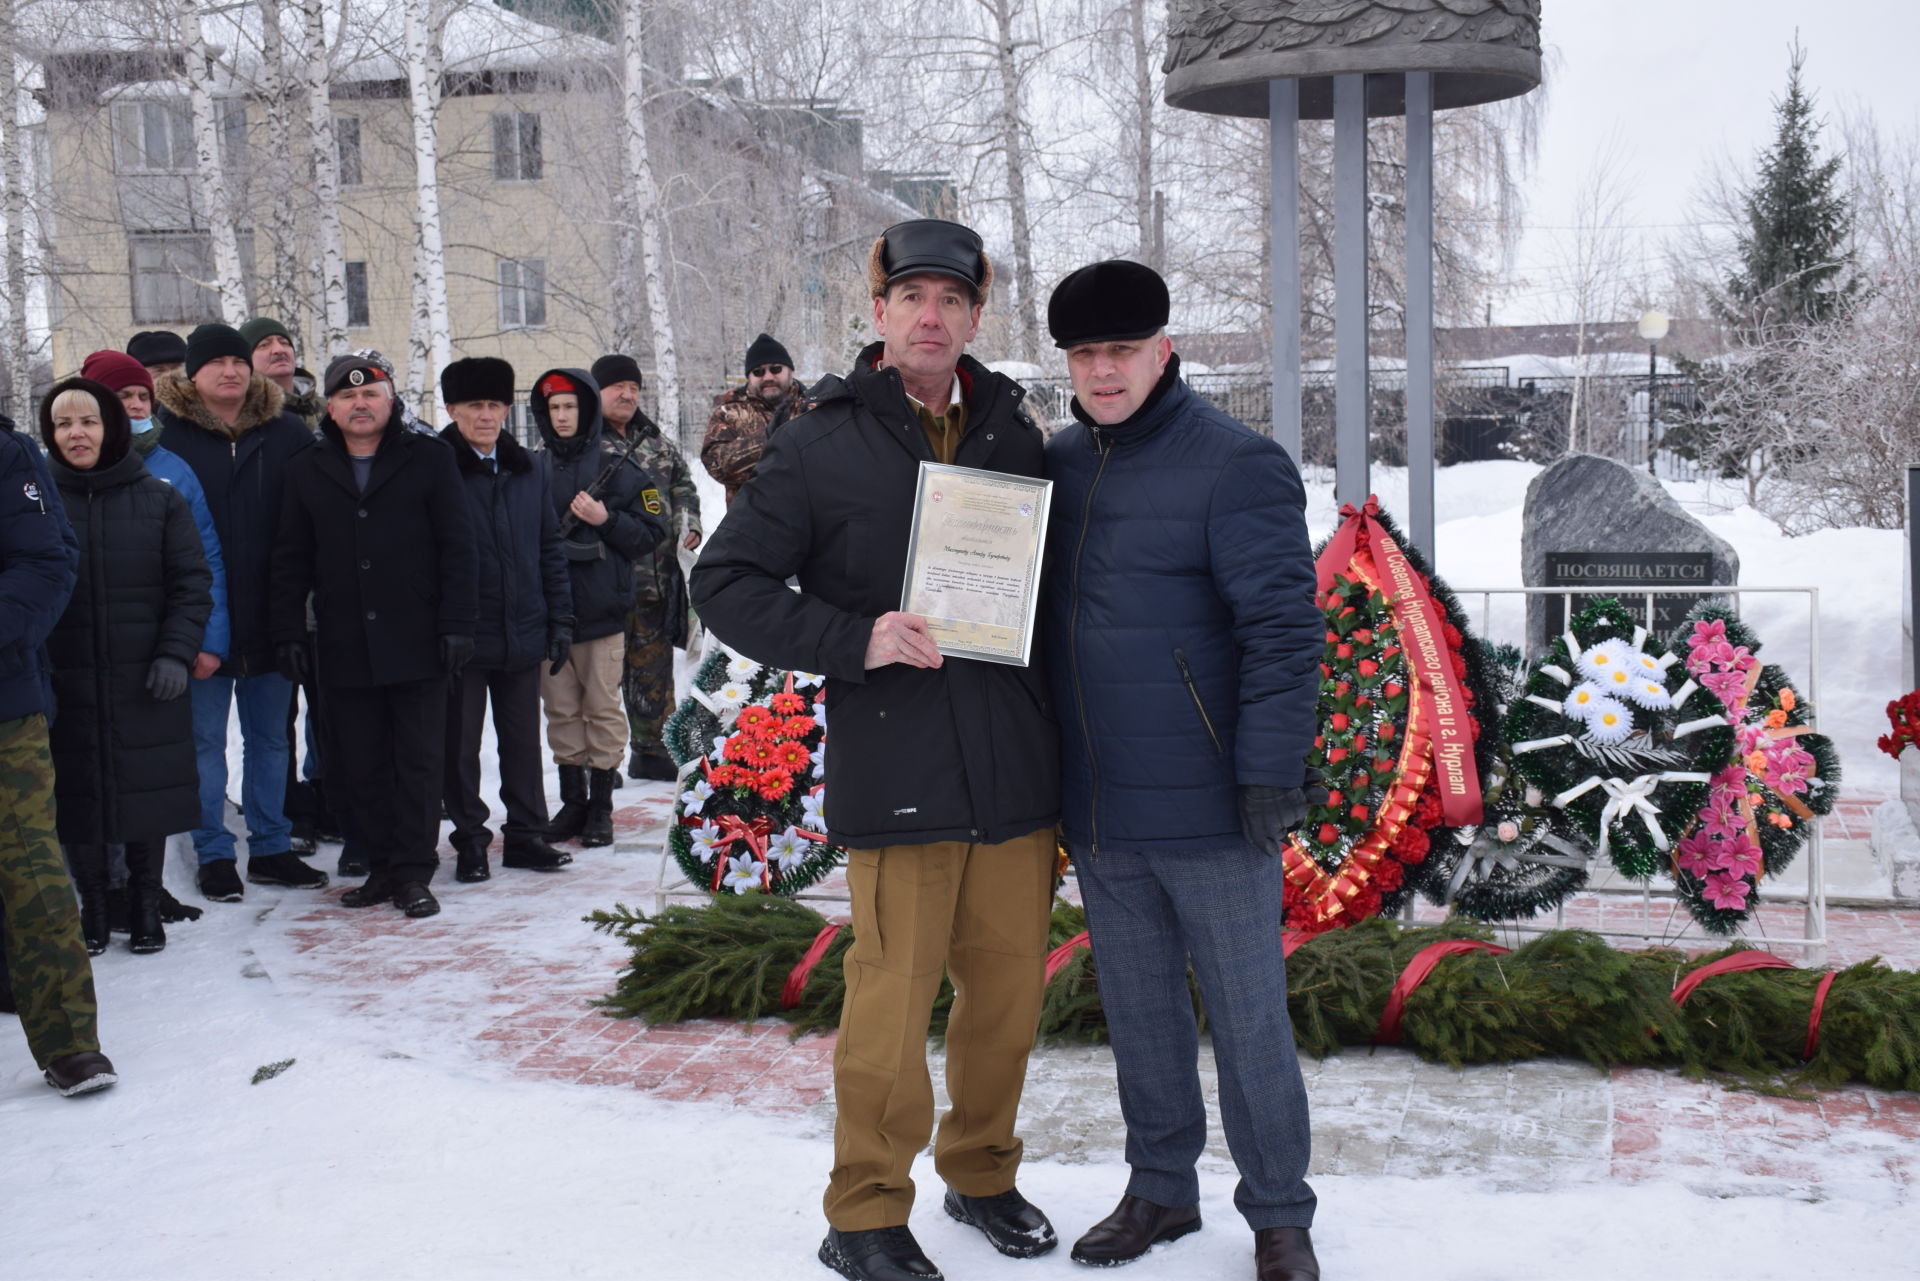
[
  {"x": 1134, "y": 1227},
  {"x": 1284, "y": 1254}
]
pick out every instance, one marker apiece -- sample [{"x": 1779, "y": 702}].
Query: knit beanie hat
[
  {"x": 259, "y": 327},
  {"x": 157, "y": 347},
  {"x": 116, "y": 370},
  {"x": 212, "y": 340},
  {"x": 766, "y": 350},
  {"x": 616, "y": 368}
]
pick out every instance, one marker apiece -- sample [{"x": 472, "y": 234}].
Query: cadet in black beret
[
  {"x": 354, "y": 371},
  {"x": 477, "y": 378},
  {"x": 160, "y": 350},
  {"x": 1108, "y": 301}
]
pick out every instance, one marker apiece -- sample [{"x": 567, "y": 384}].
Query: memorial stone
[{"x": 1607, "y": 528}]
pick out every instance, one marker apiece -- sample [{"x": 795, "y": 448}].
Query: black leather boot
[
  {"x": 88, "y": 865},
  {"x": 567, "y": 824},
  {"x": 531, "y": 854},
  {"x": 145, "y": 895},
  {"x": 1284, "y": 1254},
  {"x": 1134, "y": 1227},
  {"x": 598, "y": 829},
  {"x": 470, "y": 859}
]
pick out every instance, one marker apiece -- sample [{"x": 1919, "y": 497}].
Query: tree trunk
[
  {"x": 213, "y": 202},
  {"x": 325, "y": 158},
  {"x": 283, "y": 292},
  {"x": 429, "y": 342},
  {"x": 1013, "y": 148},
  {"x": 1143, "y": 146},
  {"x": 13, "y": 160},
  {"x": 644, "y": 201}
]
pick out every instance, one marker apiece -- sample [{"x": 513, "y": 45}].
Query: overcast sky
[{"x": 1675, "y": 83}]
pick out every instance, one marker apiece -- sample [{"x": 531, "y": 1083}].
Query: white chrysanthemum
[
  {"x": 1609, "y": 721},
  {"x": 813, "y": 810},
  {"x": 787, "y": 849},
  {"x": 743, "y": 874},
  {"x": 1647, "y": 665},
  {"x": 1581, "y": 699},
  {"x": 802, "y": 680},
  {"x": 1649, "y": 692},
  {"x": 705, "y": 838},
  {"x": 1618, "y": 681},
  {"x": 742, "y": 669},
  {"x": 1605, "y": 658},
  {"x": 696, "y": 796},
  {"x": 732, "y": 696}
]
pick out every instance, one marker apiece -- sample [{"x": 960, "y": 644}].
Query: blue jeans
[
  {"x": 264, "y": 701},
  {"x": 1149, "y": 914}
]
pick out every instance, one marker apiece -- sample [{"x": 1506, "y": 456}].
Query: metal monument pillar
[{"x": 1283, "y": 118}]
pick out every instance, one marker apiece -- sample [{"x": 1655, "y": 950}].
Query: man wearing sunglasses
[{"x": 745, "y": 416}]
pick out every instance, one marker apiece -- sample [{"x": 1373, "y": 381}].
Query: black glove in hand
[
  {"x": 291, "y": 658},
  {"x": 559, "y": 645},
  {"x": 455, "y": 651},
  {"x": 167, "y": 679},
  {"x": 1267, "y": 814}
]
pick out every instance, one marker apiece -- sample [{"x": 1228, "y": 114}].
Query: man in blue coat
[{"x": 1185, "y": 662}]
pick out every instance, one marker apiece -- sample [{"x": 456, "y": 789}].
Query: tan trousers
[
  {"x": 586, "y": 723},
  {"x": 980, "y": 913}
]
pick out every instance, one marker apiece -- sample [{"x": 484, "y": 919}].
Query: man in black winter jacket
[
  {"x": 612, "y": 515},
  {"x": 228, "y": 424},
  {"x": 525, "y": 615},
  {"x": 943, "y": 778},
  {"x": 375, "y": 526}
]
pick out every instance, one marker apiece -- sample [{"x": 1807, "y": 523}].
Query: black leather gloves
[
  {"x": 1267, "y": 814},
  {"x": 455, "y": 651},
  {"x": 291, "y": 658},
  {"x": 559, "y": 645},
  {"x": 167, "y": 679}
]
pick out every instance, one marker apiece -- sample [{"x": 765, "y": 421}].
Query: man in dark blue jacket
[
  {"x": 1185, "y": 662},
  {"x": 526, "y": 614}
]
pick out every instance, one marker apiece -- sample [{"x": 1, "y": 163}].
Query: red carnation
[
  {"x": 1336, "y": 755},
  {"x": 1386, "y": 731},
  {"x": 1325, "y": 671},
  {"x": 1319, "y": 740},
  {"x": 1364, "y": 904},
  {"x": 1341, "y": 687},
  {"x": 1388, "y": 874},
  {"x": 1328, "y": 834},
  {"x": 1338, "y": 720},
  {"x": 1334, "y": 798},
  {"x": 1368, "y": 667},
  {"x": 1453, "y": 635},
  {"x": 1332, "y": 636},
  {"x": 1360, "y": 812},
  {"x": 1359, "y": 742},
  {"x": 1343, "y": 651},
  {"x": 1364, "y": 635},
  {"x": 1361, "y": 780},
  {"x": 1382, "y": 764},
  {"x": 1428, "y": 812},
  {"x": 1411, "y": 845},
  {"x": 1394, "y": 689}
]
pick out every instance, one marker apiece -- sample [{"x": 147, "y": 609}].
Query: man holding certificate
[
  {"x": 1185, "y": 660},
  {"x": 916, "y": 478}
]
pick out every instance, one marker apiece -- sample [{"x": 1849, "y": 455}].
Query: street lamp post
[{"x": 1653, "y": 327}]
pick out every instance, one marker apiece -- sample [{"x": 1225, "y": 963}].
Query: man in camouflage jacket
[
  {"x": 659, "y": 619},
  {"x": 744, "y": 417}
]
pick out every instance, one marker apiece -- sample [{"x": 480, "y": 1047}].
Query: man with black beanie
[
  {"x": 525, "y": 618},
  {"x": 658, "y": 622},
  {"x": 745, "y": 416},
  {"x": 160, "y": 350},
  {"x": 228, "y": 424}
]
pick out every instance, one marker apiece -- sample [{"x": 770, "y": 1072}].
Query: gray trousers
[{"x": 1149, "y": 915}]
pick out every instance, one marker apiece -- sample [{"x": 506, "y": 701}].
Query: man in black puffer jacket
[
  {"x": 228, "y": 424},
  {"x": 943, "y": 779},
  {"x": 1186, "y": 661},
  {"x": 376, "y": 528},
  {"x": 605, "y": 535},
  {"x": 526, "y": 614}
]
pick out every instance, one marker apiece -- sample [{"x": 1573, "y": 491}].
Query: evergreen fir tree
[{"x": 1795, "y": 259}]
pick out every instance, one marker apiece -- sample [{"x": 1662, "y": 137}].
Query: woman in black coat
[{"x": 122, "y": 732}]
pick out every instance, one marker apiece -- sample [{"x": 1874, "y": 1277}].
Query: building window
[
  {"x": 357, "y": 306},
  {"x": 523, "y": 293},
  {"x": 154, "y": 137},
  {"x": 346, "y": 143},
  {"x": 231, "y": 113},
  {"x": 516, "y": 146},
  {"x": 170, "y": 275}
]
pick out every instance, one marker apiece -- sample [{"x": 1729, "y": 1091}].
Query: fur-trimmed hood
[{"x": 179, "y": 397}]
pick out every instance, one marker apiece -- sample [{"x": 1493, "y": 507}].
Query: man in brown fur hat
[{"x": 944, "y": 772}]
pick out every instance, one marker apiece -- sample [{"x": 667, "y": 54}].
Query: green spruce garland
[{"x": 1564, "y": 993}]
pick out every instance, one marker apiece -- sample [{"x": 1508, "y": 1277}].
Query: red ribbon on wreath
[
  {"x": 796, "y": 983},
  {"x": 1418, "y": 618},
  {"x": 1416, "y": 973},
  {"x": 1813, "y": 1019},
  {"x": 1058, "y": 958},
  {"x": 1737, "y": 963}
]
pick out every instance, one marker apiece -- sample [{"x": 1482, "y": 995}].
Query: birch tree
[
  {"x": 214, "y": 205},
  {"x": 1012, "y": 129},
  {"x": 13, "y": 160},
  {"x": 282, "y": 294},
  {"x": 324, "y": 157},
  {"x": 430, "y": 341},
  {"x": 644, "y": 202}
]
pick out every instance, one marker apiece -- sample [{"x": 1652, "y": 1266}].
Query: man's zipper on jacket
[
  {"x": 1073, "y": 645},
  {"x": 1186, "y": 674}
]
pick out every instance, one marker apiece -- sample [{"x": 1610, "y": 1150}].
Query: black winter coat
[
  {"x": 37, "y": 558},
  {"x": 968, "y": 751},
  {"x": 599, "y": 558},
  {"x": 524, "y": 592},
  {"x": 123, "y": 761},
  {"x": 391, "y": 570},
  {"x": 243, "y": 470}
]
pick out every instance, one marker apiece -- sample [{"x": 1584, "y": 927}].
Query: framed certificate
[{"x": 973, "y": 560}]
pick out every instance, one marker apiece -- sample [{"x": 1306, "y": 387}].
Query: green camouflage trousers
[
  {"x": 51, "y": 977},
  {"x": 646, "y": 684}
]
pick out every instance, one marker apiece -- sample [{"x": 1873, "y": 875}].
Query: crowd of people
[{"x": 212, "y": 528}]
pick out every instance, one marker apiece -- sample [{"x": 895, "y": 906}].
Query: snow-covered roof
[{"x": 479, "y": 36}]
